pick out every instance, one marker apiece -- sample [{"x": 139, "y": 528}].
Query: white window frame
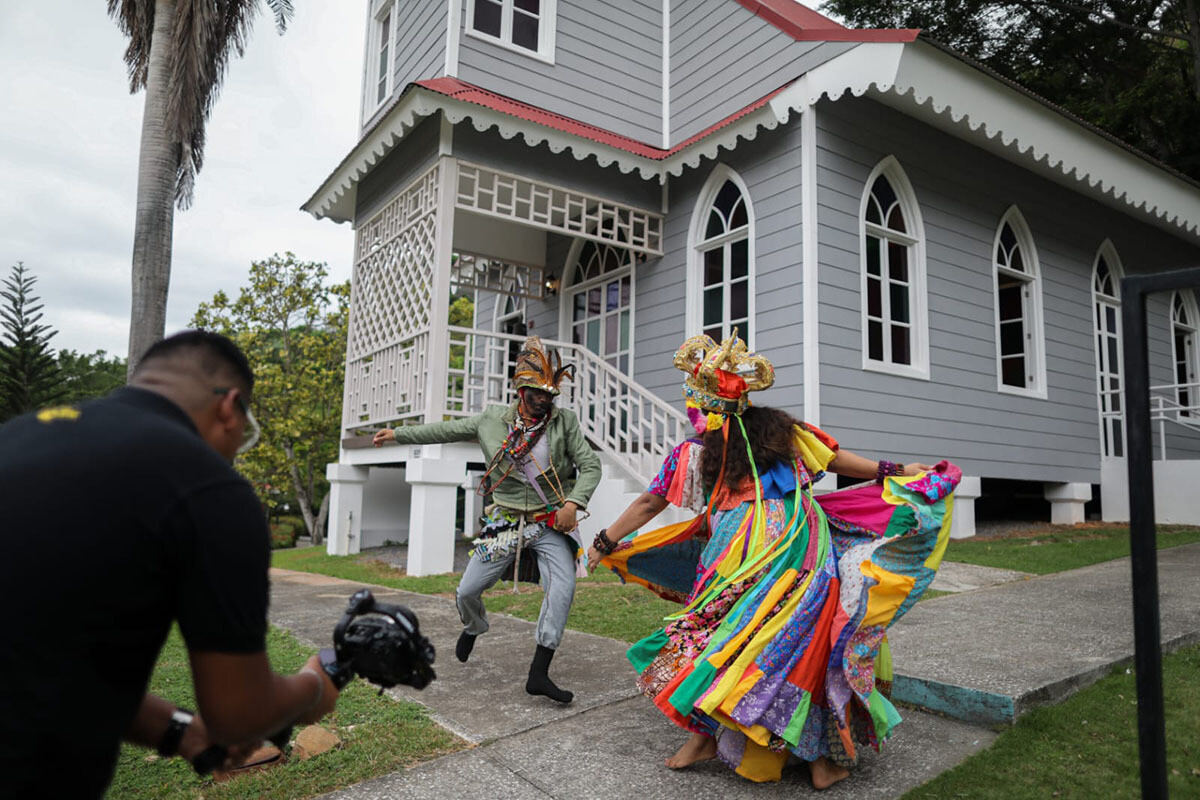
[
  {"x": 1033, "y": 318},
  {"x": 1193, "y": 359},
  {"x": 1109, "y": 253},
  {"x": 379, "y": 10},
  {"x": 694, "y": 285},
  {"x": 547, "y": 23},
  {"x": 919, "y": 304},
  {"x": 572, "y": 284}
]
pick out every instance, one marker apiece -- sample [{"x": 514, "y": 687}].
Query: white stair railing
[
  {"x": 634, "y": 426},
  {"x": 1165, "y": 407}
]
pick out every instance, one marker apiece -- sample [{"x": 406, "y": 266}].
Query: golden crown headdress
[
  {"x": 537, "y": 368},
  {"x": 721, "y": 375}
]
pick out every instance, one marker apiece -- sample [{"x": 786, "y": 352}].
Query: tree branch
[{"x": 1102, "y": 17}]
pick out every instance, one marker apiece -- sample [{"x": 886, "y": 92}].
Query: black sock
[
  {"x": 539, "y": 681},
  {"x": 462, "y": 650}
]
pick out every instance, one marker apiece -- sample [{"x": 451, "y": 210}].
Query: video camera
[{"x": 386, "y": 649}]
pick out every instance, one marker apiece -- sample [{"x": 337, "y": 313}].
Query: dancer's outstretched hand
[
  {"x": 916, "y": 469},
  {"x": 385, "y": 435},
  {"x": 594, "y": 557}
]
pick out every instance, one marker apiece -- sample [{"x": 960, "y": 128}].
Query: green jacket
[{"x": 569, "y": 452}]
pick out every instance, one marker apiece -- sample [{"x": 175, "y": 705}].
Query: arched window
[
  {"x": 895, "y": 335},
  {"x": 1184, "y": 322},
  {"x": 1020, "y": 342},
  {"x": 1106, "y": 315},
  {"x": 598, "y": 301},
  {"x": 721, "y": 273}
]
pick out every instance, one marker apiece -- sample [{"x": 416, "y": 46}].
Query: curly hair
[{"x": 771, "y": 440}]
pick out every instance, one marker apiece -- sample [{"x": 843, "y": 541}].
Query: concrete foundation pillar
[
  {"x": 1067, "y": 501},
  {"x": 962, "y": 517},
  {"x": 827, "y": 484},
  {"x": 435, "y": 482},
  {"x": 345, "y": 508},
  {"x": 472, "y": 505}
]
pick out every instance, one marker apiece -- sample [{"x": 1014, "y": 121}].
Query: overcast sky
[{"x": 69, "y": 132}]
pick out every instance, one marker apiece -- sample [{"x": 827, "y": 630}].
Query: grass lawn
[
  {"x": 603, "y": 605},
  {"x": 1085, "y": 747},
  {"x": 379, "y": 735},
  {"x": 1056, "y": 549}
]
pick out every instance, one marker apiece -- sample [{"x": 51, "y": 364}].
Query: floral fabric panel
[{"x": 679, "y": 480}]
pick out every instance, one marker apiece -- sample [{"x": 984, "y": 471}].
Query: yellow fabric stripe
[
  {"x": 814, "y": 452},
  {"x": 754, "y": 647},
  {"x": 939, "y": 550},
  {"x": 885, "y": 597}
]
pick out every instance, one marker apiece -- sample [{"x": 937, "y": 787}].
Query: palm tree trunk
[{"x": 158, "y": 163}]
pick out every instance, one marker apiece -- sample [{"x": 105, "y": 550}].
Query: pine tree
[{"x": 29, "y": 376}]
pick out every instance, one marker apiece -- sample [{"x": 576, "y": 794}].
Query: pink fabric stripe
[{"x": 861, "y": 505}]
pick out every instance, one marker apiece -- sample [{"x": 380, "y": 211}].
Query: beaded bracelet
[
  {"x": 888, "y": 468},
  {"x": 603, "y": 544}
]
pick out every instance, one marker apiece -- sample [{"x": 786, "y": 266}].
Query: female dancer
[{"x": 782, "y": 638}]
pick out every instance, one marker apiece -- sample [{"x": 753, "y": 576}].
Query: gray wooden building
[{"x": 928, "y": 253}]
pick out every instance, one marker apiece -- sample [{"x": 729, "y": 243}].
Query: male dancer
[{"x": 533, "y": 450}]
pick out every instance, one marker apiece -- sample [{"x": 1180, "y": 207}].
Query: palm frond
[{"x": 135, "y": 19}]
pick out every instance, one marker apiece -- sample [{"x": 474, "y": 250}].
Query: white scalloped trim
[{"x": 915, "y": 78}]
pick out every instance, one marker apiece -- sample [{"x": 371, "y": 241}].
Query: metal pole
[{"x": 1152, "y": 743}]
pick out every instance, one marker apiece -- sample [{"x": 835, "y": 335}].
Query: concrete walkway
[
  {"x": 992, "y": 654},
  {"x": 1004, "y": 643},
  {"x": 609, "y": 743}
]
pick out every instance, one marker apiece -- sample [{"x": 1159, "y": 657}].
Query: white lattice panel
[
  {"x": 633, "y": 425},
  {"x": 554, "y": 208},
  {"x": 388, "y": 385},
  {"x": 476, "y": 271},
  {"x": 393, "y": 270}
]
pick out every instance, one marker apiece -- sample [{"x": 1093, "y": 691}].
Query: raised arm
[
  {"x": 645, "y": 508},
  {"x": 853, "y": 465},
  {"x": 455, "y": 430}
]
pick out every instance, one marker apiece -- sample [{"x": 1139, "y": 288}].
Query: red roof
[
  {"x": 789, "y": 16},
  {"x": 805, "y": 25},
  {"x": 469, "y": 93}
]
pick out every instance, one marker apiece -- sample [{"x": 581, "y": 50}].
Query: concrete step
[{"x": 990, "y": 655}]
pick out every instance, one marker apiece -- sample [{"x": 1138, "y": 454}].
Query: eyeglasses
[{"x": 252, "y": 430}]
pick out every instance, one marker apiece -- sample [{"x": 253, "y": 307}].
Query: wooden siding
[
  {"x": 420, "y": 41},
  {"x": 398, "y": 168},
  {"x": 724, "y": 57},
  {"x": 419, "y": 47},
  {"x": 607, "y": 67},
  {"x": 959, "y": 413},
  {"x": 770, "y": 167}
]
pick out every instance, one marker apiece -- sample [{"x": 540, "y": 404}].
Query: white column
[
  {"x": 1066, "y": 502},
  {"x": 439, "y": 295},
  {"x": 962, "y": 517},
  {"x": 435, "y": 483},
  {"x": 472, "y": 504},
  {"x": 345, "y": 508},
  {"x": 827, "y": 484}
]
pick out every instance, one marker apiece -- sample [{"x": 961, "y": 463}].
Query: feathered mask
[
  {"x": 539, "y": 369},
  {"x": 721, "y": 375}
]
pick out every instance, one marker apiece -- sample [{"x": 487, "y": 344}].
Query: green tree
[
  {"x": 1130, "y": 67},
  {"x": 87, "y": 376},
  {"x": 28, "y": 374},
  {"x": 292, "y": 327},
  {"x": 178, "y": 52}
]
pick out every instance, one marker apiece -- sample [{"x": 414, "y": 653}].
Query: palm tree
[{"x": 178, "y": 52}]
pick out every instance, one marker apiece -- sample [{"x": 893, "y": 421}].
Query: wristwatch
[{"x": 168, "y": 745}]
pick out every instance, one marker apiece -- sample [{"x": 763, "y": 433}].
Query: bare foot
[
  {"x": 697, "y": 748},
  {"x": 825, "y": 773}
]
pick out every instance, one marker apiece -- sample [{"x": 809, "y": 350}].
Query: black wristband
[{"x": 168, "y": 745}]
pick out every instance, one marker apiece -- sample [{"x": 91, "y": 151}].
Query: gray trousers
[{"x": 556, "y": 562}]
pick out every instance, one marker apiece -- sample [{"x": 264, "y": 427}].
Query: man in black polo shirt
[{"x": 117, "y": 518}]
